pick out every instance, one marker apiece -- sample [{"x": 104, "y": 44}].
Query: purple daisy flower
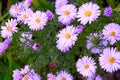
[{"x": 108, "y": 11}]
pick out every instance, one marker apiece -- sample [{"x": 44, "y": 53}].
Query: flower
[
  {"x": 16, "y": 9},
  {"x": 37, "y": 20},
  {"x": 25, "y": 74},
  {"x": 66, "y": 38},
  {"x": 36, "y": 46},
  {"x": 110, "y": 59},
  {"x": 60, "y": 3},
  {"x": 67, "y": 13},
  {"x": 27, "y": 3},
  {"x": 95, "y": 43},
  {"x": 50, "y": 15},
  {"x": 17, "y": 75},
  {"x": 111, "y": 33},
  {"x": 97, "y": 77},
  {"x": 52, "y": 64},
  {"x": 26, "y": 38},
  {"x": 86, "y": 66},
  {"x": 88, "y": 12},
  {"x": 108, "y": 11},
  {"x": 24, "y": 15},
  {"x": 9, "y": 29},
  {"x": 51, "y": 76},
  {"x": 63, "y": 75},
  {"x": 2, "y": 48},
  {"x": 79, "y": 29},
  {"x": 7, "y": 42}
]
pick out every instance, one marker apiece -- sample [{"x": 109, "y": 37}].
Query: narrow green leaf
[{"x": 117, "y": 8}]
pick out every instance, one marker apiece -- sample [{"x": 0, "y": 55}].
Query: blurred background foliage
[{"x": 17, "y": 56}]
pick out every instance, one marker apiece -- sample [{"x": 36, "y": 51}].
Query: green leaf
[{"x": 117, "y": 8}]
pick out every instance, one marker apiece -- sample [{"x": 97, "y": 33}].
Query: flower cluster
[
  {"x": 62, "y": 75},
  {"x": 74, "y": 20},
  {"x": 25, "y": 74}
]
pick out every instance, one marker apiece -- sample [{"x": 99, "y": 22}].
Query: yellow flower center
[
  {"x": 88, "y": 13},
  {"x": 37, "y": 20},
  {"x": 66, "y": 13},
  {"x": 67, "y": 36},
  {"x": 86, "y": 66},
  {"x": 111, "y": 60},
  {"x": 16, "y": 8},
  {"x": 63, "y": 78},
  {"x": 112, "y": 33},
  {"x": 24, "y": 16},
  {"x": 9, "y": 28},
  {"x": 25, "y": 78}
]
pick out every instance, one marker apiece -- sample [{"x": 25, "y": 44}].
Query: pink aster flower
[
  {"x": 88, "y": 13},
  {"x": 111, "y": 33},
  {"x": 86, "y": 66},
  {"x": 37, "y": 20},
  {"x": 67, "y": 13},
  {"x": 51, "y": 76},
  {"x": 110, "y": 60},
  {"x": 63, "y": 75},
  {"x": 9, "y": 29},
  {"x": 66, "y": 38},
  {"x": 15, "y": 9},
  {"x": 24, "y": 15}
]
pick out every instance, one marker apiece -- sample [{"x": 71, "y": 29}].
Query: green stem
[
  {"x": 4, "y": 16},
  {"x": 10, "y": 59}
]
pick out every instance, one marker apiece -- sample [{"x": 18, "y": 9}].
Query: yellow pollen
[
  {"x": 37, "y": 20},
  {"x": 112, "y": 33},
  {"x": 63, "y": 78},
  {"x": 86, "y": 66},
  {"x": 16, "y": 8},
  {"x": 24, "y": 16},
  {"x": 67, "y": 13},
  {"x": 9, "y": 28},
  {"x": 67, "y": 36},
  {"x": 111, "y": 60},
  {"x": 25, "y": 78},
  {"x": 88, "y": 13}
]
